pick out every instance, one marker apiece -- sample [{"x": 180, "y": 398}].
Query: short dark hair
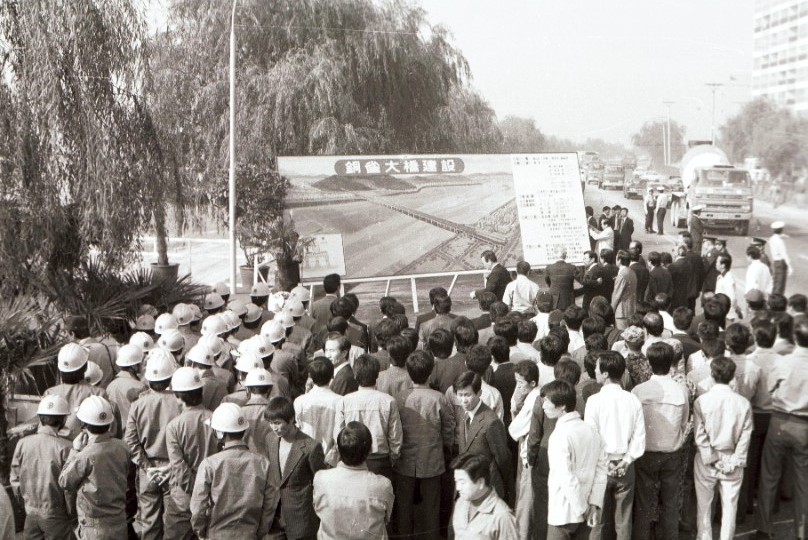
[
  {"x": 321, "y": 370},
  {"x": 590, "y": 254},
  {"x": 443, "y": 304},
  {"x": 478, "y": 359},
  {"x": 52, "y": 420},
  {"x": 653, "y": 323},
  {"x": 523, "y": 267},
  {"x": 73, "y": 377},
  {"x": 567, "y": 370},
  {"x": 660, "y": 355},
  {"x": 596, "y": 342},
  {"x": 551, "y": 348},
  {"x": 712, "y": 348},
  {"x": 331, "y": 283},
  {"x": 190, "y": 398},
  {"x": 654, "y": 259},
  {"x": 592, "y": 325},
  {"x": 665, "y": 258},
  {"x": 97, "y": 430},
  {"x": 798, "y": 302},
  {"x": 419, "y": 366},
  {"x": 726, "y": 260},
  {"x": 528, "y": 370},
  {"x": 785, "y": 325},
  {"x": 602, "y": 308},
  {"x": 560, "y": 393},
  {"x": 366, "y": 370},
  {"x": 527, "y": 331},
  {"x": 737, "y": 337},
  {"x": 498, "y": 309},
  {"x": 765, "y": 333},
  {"x": 353, "y": 299},
  {"x": 159, "y": 386},
  {"x": 573, "y": 317},
  {"x": 722, "y": 369},
  {"x": 440, "y": 343},
  {"x": 561, "y": 333},
  {"x": 623, "y": 257},
  {"x": 475, "y": 465},
  {"x": 342, "y": 307},
  {"x": 777, "y": 302},
  {"x": 384, "y": 330},
  {"x": 489, "y": 256},
  {"x": 801, "y": 334},
  {"x": 399, "y": 347},
  {"x": 612, "y": 364},
  {"x": 280, "y": 408},
  {"x": 714, "y": 311},
  {"x": 485, "y": 299},
  {"x": 434, "y": 292},
  {"x": 354, "y": 443},
  {"x": 590, "y": 363},
  {"x": 410, "y": 335},
  {"x": 337, "y": 324},
  {"x": 386, "y": 304},
  {"x": 500, "y": 350},
  {"x": 682, "y": 318},
  {"x": 506, "y": 328},
  {"x": 468, "y": 379},
  {"x": 707, "y": 330},
  {"x": 465, "y": 337},
  {"x": 662, "y": 301},
  {"x": 607, "y": 256},
  {"x": 753, "y": 253}
]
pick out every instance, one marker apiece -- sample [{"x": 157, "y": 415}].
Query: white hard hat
[
  {"x": 273, "y": 330},
  {"x": 129, "y": 355},
  {"x": 295, "y": 308},
  {"x": 276, "y": 301},
  {"x": 232, "y": 320},
  {"x": 253, "y": 313},
  {"x": 53, "y": 406},
  {"x": 698, "y": 207},
  {"x": 221, "y": 288},
  {"x": 301, "y": 293},
  {"x": 778, "y": 225},
  {"x": 248, "y": 361},
  {"x": 142, "y": 340},
  {"x": 164, "y": 322},
  {"x": 228, "y": 418},
  {"x": 257, "y": 346},
  {"x": 213, "y": 301},
  {"x": 183, "y": 313},
  {"x": 148, "y": 309},
  {"x": 260, "y": 289},
  {"x": 200, "y": 354},
  {"x": 186, "y": 379},
  {"x": 214, "y": 325},
  {"x": 258, "y": 377},
  {"x": 172, "y": 341},
  {"x": 197, "y": 313},
  {"x": 96, "y": 411},
  {"x": 214, "y": 342},
  {"x": 144, "y": 322},
  {"x": 285, "y": 318},
  {"x": 72, "y": 357},
  {"x": 160, "y": 365},
  {"x": 93, "y": 375},
  {"x": 238, "y": 307}
]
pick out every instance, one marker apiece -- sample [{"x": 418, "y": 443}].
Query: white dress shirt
[
  {"x": 577, "y": 475},
  {"x": 758, "y": 277},
  {"x": 666, "y": 412},
  {"x": 528, "y": 351},
  {"x": 617, "y": 417},
  {"x": 778, "y": 249},
  {"x": 520, "y": 425},
  {"x": 722, "y": 425},
  {"x": 725, "y": 284},
  {"x": 603, "y": 239},
  {"x": 542, "y": 321},
  {"x": 576, "y": 340},
  {"x": 765, "y": 359},
  {"x": 520, "y": 294}
]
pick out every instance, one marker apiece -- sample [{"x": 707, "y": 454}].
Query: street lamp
[
  {"x": 232, "y": 172},
  {"x": 668, "y": 158},
  {"x": 713, "y": 87}
]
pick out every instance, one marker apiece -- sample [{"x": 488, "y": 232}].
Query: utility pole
[
  {"x": 668, "y": 158},
  {"x": 232, "y": 148},
  {"x": 713, "y": 88}
]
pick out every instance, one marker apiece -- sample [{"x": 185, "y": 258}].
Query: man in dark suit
[
  {"x": 680, "y": 271},
  {"x": 485, "y": 299},
  {"x": 708, "y": 262},
  {"x": 357, "y": 335},
  {"x": 443, "y": 319},
  {"x": 321, "y": 309},
  {"x": 683, "y": 320},
  {"x": 696, "y": 277},
  {"x": 560, "y": 277},
  {"x": 498, "y": 276},
  {"x": 608, "y": 271},
  {"x": 447, "y": 368},
  {"x": 480, "y": 432},
  {"x": 292, "y": 471},
  {"x": 797, "y": 306},
  {"x": 591, "y": 279},
  {"x": 659, "y": 278},
  {"x": 640, "y": 270},
  {"x": 336, "y": 349},
  {"x": 592, "y": 222},
  {"x": 626, "y": 230},
  {"x": 355, "y": 325}
]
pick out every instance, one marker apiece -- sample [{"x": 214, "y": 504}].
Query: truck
[
  {"x": 594, "y": 173},
  {"x": 711, "y": 181},
  {"x": 614, "y": 176}
]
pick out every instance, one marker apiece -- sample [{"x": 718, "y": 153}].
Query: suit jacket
[
  {"x": 697, "y": 276},
  {"x": 321, "y": 312},
  {"x": 361, "y": 331},
  {"x": 560, "y": 276},
  {"x": 503, "y": 379},
  {"x": 697, "y": 233},
  {"x": 680, "y": 271},
  {"x": 624, "y": 297},
  {"x": 659, "y": 280},
  {"x": 446, "y": 371},
  {"x": 497, "y": 280},
  {"x": 486, "y": 436},
  {"x": 443, "y": 320},
  {"x": 422, "y": 318},
  {"x": 344, "y": 382},
  {"x": 609, "y": 275},
  {"x": 710, "y": 271},
  {"x": 295, "y": 484},
  {"x": 689, "y": 345},
  {"x": 626, "y": 232},
  {"x": 590, "y": 287},
  {"x": 483, "y": 321},
  {"x": 643, "y": 275}
]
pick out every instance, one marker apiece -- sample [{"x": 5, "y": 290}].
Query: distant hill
[{"x": 357, "y": 182}]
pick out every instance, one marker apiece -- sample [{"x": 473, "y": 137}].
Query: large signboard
[
  {"x": 324, "y": 256},
  {"x": 434, "y": 213}
]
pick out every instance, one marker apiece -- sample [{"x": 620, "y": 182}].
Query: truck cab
[
  {"x": 614, "y": 176},
  {"x": 726, "y": 193}
]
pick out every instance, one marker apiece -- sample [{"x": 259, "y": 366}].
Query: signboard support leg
[
  {"x": 387, "y": 288},
  {"x": 454, "y": 280},
  {"x": 414, "y": 295}
]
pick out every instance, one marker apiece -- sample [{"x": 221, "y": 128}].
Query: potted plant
[{"x": 288, "y": 248}]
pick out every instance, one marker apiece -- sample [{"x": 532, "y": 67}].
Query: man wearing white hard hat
[
  {"x": 285, "y": 319},
  {"x": 259, "y": 294},
  {"x": 781, "y": 264},
  {"x": 302, "y": 293},
  {"x": 283, "y": 361},
  {"x": 696, "y": 228},
  {"x": 251, "y": 321},
  {"x": 217, "y": 347},
  {"x": 145, "y": 437},
  {"x": 127, "y": 386},
  {"x": 301, "y": 335},
  {"x": 100, "y": 349},
  {"x": 173, "y": 342},
  {"x": 259, "y": 384},
  {"x": 142, "y": 340},
  {"x": 95, "y": 473},
  {"x": 35, "y": 472},
  {"x": 72, "y": 364},
  {"x": 189, "y": 441},
  {"x": 241, "y": 333},
  {"x": 164, "y": 323},
  {"x": 214, "y": 303},
  {"x": 246, "y": 362},
  {"x": 214, "y": 389},
  {"x": 233, "y": 496},
  {"x": 185, "y": 316},
  {"x": 222, "y": 289},
  {"x": 144, "y": 323}
]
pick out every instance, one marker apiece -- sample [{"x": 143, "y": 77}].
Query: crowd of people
[{"x": 600, "y": 405}]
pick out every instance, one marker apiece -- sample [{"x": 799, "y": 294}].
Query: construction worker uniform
[
  {"x": 253, "y": 412},
  {"x": 285, "y": 362},
  {"x": 191, "y": 337},
  {"x": 146, "y": 439},
  {"x": 97, "y": 475},
  {"x": 38, "y": 460},
  {"x": 189, "y": 441},
  {"x": 233, "y": 498},
  {"x": 74, "y": 394},
  {"x": 213, "y": 389},
  {"x": 224, "y": 375},
  {"x": 124, "y": 389}
]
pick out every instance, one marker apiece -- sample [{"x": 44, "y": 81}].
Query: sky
[{"x": 600, "y": 68}]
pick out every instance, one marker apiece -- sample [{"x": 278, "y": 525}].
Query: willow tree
[{"x": 83, "y": 167}]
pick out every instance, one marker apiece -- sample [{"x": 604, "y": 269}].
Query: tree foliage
[
  {"x": 650, "y": 138},
  {"x": 520, "y": 135}
]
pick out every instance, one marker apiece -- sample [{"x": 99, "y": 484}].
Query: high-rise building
[{"x": 780, "y": 69}]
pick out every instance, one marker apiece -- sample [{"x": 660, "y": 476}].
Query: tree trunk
[
  {"x": 288, "y": 275},
  {"x": 5, "y": 464},
  {"x": 161, "y": 234}
]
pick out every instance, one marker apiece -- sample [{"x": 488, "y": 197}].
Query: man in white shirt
[
  {"x": 725, "y": 284},
  {"x": 315, "y": 411},
  {"x": 573, "y": 318},
  {"x": 618, "y": 418},
  {"x": 781, "y": 264},
  {"x": 758, "y": 275},
  {"x": 527, "y": 335},
  {"x": 520, "y": 294},
  {"x": 661, "y": 209},
  {"x": 577, "y": 460}
]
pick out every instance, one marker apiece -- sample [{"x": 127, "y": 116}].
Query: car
[
  {"x": 676, "y": 184},
  {"x": 634, "y": 187}
]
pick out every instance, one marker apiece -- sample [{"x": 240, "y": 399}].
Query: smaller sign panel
[
  {"x": 550, "y": 206},
  {"x": 324, "y": 256},
  {"x": 406, "y": 165}
]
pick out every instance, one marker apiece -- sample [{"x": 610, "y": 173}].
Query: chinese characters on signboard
[
  {"x": 386, "y": 166},
  {"x": 550, "y": 206}
]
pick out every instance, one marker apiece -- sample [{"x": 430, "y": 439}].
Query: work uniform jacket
[
  {"x": 74, "y": 394},
  {"x": 189, "y": 440},
  {"x": 253, "y": 412},
  {"x": 490, "y": 519},
  {"x": 38, "y": 460},
  {"x": 213, "y": 390},
  {"x": 124, "y": 390},
  {"x": 145, "y": 427}
]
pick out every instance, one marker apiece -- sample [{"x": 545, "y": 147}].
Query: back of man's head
[
  {"x": 331, "y": 283},
  {"x": 682, "y": 318},
  {"x": 478, "y": 359},
  {"x": 508, "y": 329},
  {"x": 440, "y": 343},
  {"x": 523, "y": 268},
  {"x": 801, "y": 334},
  {"x": 354, "y": 443},
  {"x": 653, "y": 324}
]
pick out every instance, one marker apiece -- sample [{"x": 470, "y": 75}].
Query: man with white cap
[
  {"x": 189, "y": 440},
  {"x": 142, "y": 340},
  {"x": 216, "y": 327},
  {"x": 165, "y": 322},
  {"x": 259, "y": 385},
  {"x": 283, "y": 361},
  {"x": 781, "y": 264},
  {"x": 302, "y": 293},
  {"x": 233, "y": 496},
  {"x": 251, "y": 321},
  {"x": 173, "y": 342},
  {"x": 239, "y": 308},
  {"x": 222, "y": 289},
  {"x": 185, "y": 316},
  {"x": 259, "y": 294},
  {"x": 145, "y": 437},
  {"x": 35, "y": 468},
  {"x": 262, "y": 348},
  {"x": 95, "y": 473},
  {"x": 72, "y": 363},
  {"x": 300, "y": 335},
  {"x": 696, "y": 228},
  {"x": 214, "y": 388},
  {"x": 144, "y": 323}
]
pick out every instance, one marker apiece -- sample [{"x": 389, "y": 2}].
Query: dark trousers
[
  {"x": 417, "y": 506},
  {"x": 658, "y": 484},
  {"x": 540, "y": 495},
  {"x": 779, "y": 273},
  {"x": 649, "y": 220},
  {"x": 660, "y": 220},
  {"x": 572, "y": 531},
  {"x": 380, "y": 464},
  {"x": 618, "y": 505},
  {"x": 787, "y": 433},
  {"x": 752, "y": 472}
]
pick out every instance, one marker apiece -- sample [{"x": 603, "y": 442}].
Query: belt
[{"x": 789, "y": 416}]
